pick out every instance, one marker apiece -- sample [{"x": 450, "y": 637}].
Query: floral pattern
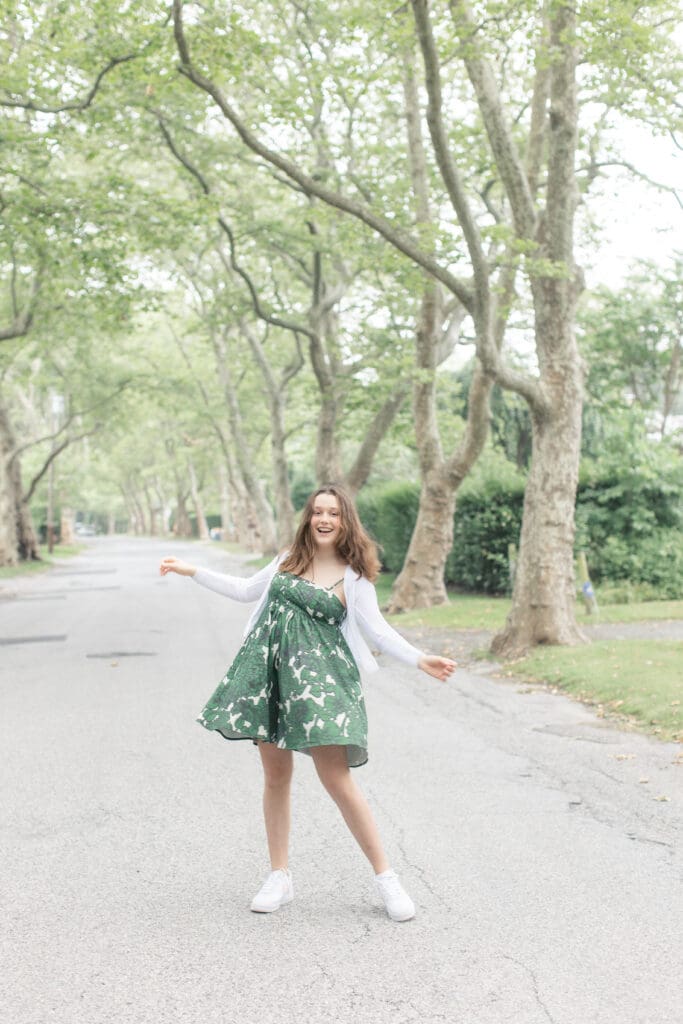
[{"x": 294, "y": 682}]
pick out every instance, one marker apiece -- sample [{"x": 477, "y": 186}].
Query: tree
[
  {"x": 532, "y": 199},
  {"x": 294, "y": 271},
  {"x": 632, "y": 340}
]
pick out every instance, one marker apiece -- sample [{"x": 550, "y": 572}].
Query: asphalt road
[{"x": 541, "y": 846}]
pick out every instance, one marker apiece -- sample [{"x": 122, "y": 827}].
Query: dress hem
[{"x": 296, "y": 750}]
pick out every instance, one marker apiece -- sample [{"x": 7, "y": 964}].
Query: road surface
[{"x": 541, "y": 846}]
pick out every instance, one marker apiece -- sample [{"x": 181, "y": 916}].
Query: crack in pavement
[
  {"x": 558, "y": 783},
  {"x": 534, "y": 979},
  {"x": 400, "y": 843},
  {"x": 365, "y": 934},
  {"x": 645, "y": 839}
]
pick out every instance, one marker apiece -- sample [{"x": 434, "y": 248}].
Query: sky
[
  {"x": 632, "y": 221},
  {"x": 635, "y": 220}
]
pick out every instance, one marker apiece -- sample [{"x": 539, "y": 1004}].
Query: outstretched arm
[
  {"x": 239, "y": 588},
  {"x": 386, "y": 639}
]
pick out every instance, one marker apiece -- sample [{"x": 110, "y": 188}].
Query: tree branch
[
  {"x": 449, "y": 171},
  {"x": 472, "y": 443},
  {"x": 72, "y": 104},
  {"x": 500, "y": 138},
  {"x": 23, "y": 318},
  {"x": 52, "y": 456},
  {"x": 487, "y": 349},
  {"x": 595, "y": 166},
  {"x": 382, "y": 420},
  {"x": 69, "y": 420},
  {"x": 538, "y": 125},
  {"x": 561, "y": 183},
  {"x": 396, "y": 236},
  {"x": 189, "y": 167},
  {"x": 192, "y": 169},
  {"x": 269, "y": 318}
]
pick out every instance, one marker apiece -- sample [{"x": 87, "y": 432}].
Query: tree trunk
[
  {"x": 284, "y": 507},
  {"x": 182, "y": 526},
  {"x": 544, "y": 596},
  {"x": 264, "y": 519},
  {"x": 239, "y": 500},
  {"x": 66, "y": 526},
  {"x": 140, "y": 521},
  {"x": 327, "y": 463},
  {"x": 163, "y": 507},
  {"x": 420, "y": 583},
  {"x": 374, "y": 435},
  {"x": 9, "y": 542},
  {"x": 152, "y": 510},
  {"x": 202, "y": 526},
  {"x": 275, "y": 393},
  {"x": 111, "y": 523},
  {"x": 18, "y": 540},
  {"x": 421, "y": 580},
  {"x": 227, "y": 519},
  {"x": 543, "y": 599},
  {"x": 26, "y": 531}
]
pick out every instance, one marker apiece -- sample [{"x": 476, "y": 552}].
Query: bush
[
  {"x": 389, "y": 514},
  {"x": 301, "y": 486},
  {"x": 488, "y": 518},
  {"x": 213, "y": 520},
  {"x": 655, "y": 561},
  {"x": 485, "y": 524},
  {"x": 626, "y": 592},
  {"x": 628, "y": 524}
]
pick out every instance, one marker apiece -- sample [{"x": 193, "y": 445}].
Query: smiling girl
[{"x": 295, "y": 682}]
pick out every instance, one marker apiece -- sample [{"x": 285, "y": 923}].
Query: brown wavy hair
[{"x": 354, "y": 546}]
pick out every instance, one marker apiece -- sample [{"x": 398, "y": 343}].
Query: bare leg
[
  {"x": 333, "y": 771},
  {"x": 277, "y": 770}
]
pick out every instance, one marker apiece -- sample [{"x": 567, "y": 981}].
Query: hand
[
  {"x": 440, "y": 668},
  {"x": 172, "y": 564}
]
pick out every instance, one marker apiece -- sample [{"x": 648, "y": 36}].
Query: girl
[{"x": 295, "y": 682}]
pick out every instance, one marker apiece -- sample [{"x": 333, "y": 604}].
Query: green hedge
[
  {"x": 630, "y": 527},
  {"x": 389, "y": 515},
  {"x": 484, "y": 526}
]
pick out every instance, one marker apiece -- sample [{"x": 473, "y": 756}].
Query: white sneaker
[
  {"x": 398, "y": 903},
  {"x": 274, "y": 893}
]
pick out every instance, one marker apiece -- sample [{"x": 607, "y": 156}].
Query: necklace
[{"x": 320, "y": 585}]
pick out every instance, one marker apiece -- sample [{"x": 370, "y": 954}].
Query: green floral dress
[{"x": 294, "y": 682}]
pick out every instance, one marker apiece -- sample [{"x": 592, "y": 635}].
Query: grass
[
  {"x": 465, "y": 611},
  {"x": 474, "y": 611},
  {"x": 482, "y": 612},
  {"x": 47, "y": 560},
  {"x": 640, "y": 680}
]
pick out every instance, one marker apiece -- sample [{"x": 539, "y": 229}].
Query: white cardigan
[{"x": 362, "y": 611}]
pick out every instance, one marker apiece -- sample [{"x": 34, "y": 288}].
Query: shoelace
[
  {"x": 273, "y": 881},
  {"x": 391, "y": 885}
]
